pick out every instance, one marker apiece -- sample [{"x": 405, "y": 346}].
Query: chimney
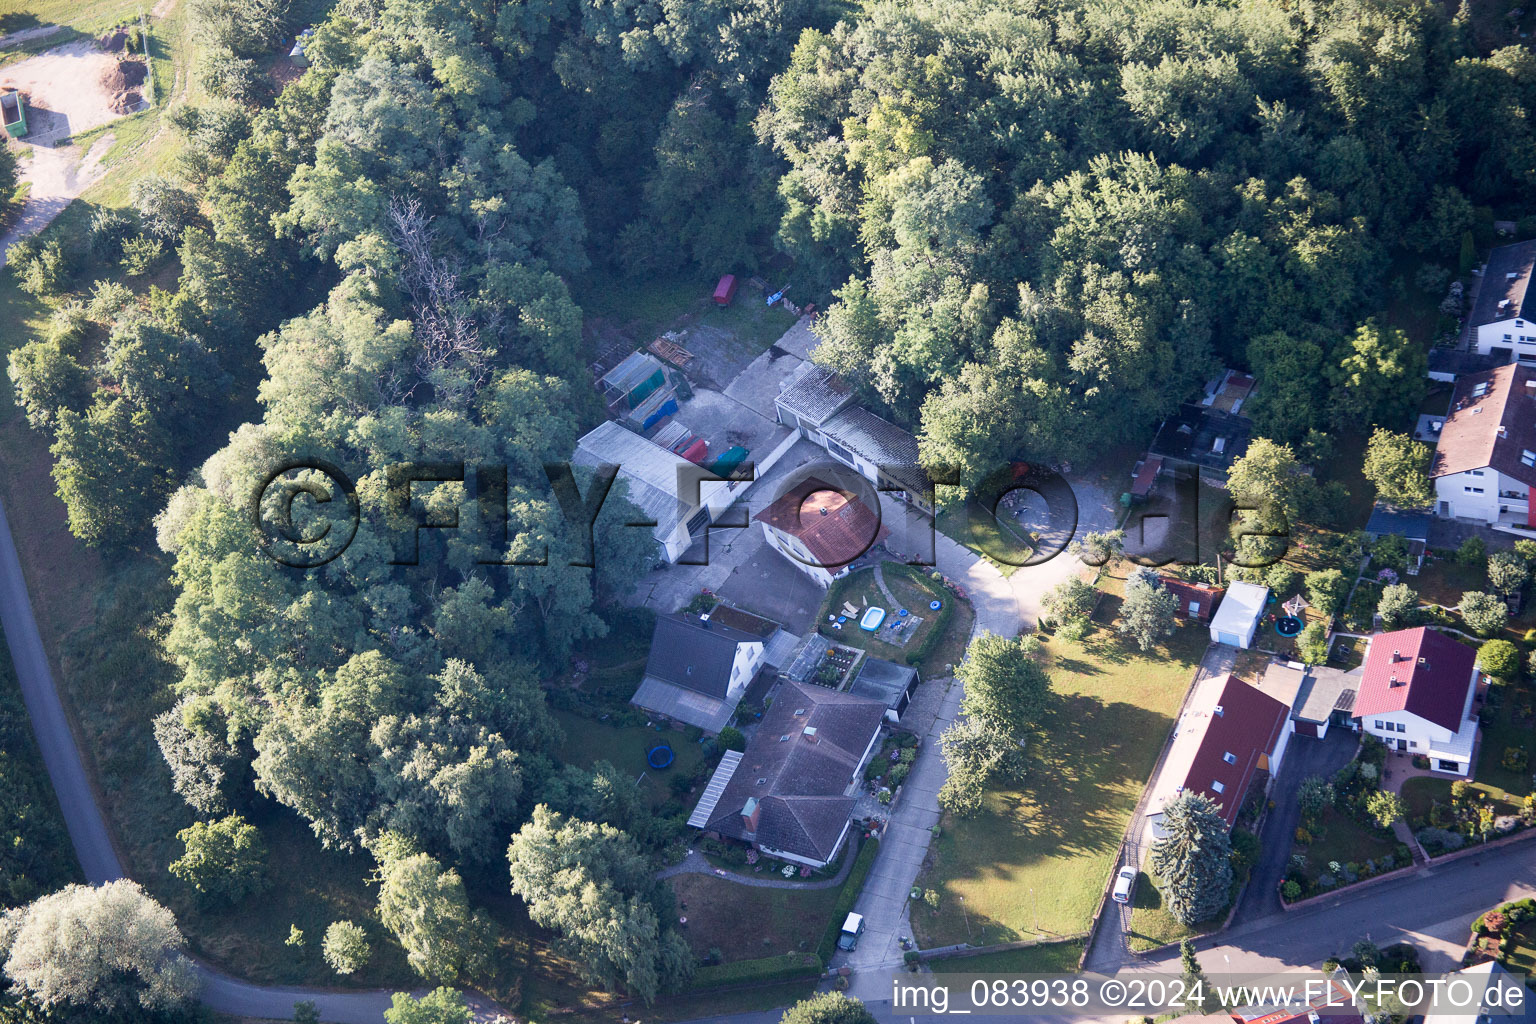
[
  {"x": 751, "y": 811},
  {"x": 809, "y": 732}
]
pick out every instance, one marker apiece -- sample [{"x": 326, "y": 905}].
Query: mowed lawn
[
  {"x": 1035, "y": 861},
  {"x": 587, "y": 741},
  {"x": 747, "y": 922}
]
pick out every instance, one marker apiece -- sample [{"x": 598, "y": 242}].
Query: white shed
[{"x": 1237, "y": 617}]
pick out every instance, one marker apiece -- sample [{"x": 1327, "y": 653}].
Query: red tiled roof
[
  {"x": 1250, "y": 725},
  {"x": 1186, "y": 592},
  {"x": 1145, "y": 477},
  {"x": 1494, "y": 428},
  {"x": 835, "y": 526},
  {"x": 1431, "y": 673}
]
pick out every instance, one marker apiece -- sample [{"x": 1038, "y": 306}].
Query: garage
[{"x": 1237, "y": 617}]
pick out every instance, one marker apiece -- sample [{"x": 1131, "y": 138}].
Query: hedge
[
  {"x": 940, "y": 618},
  {"x": 847, "y": 897},
  {"x": 785, "y": 967}
]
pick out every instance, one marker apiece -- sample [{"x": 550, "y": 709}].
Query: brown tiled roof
[
  {"x": 1492, "y": 423},
  {"x": 802, "y": 806},
  {"x": 1249, "y": 725},
  {"x": 834, "y": 525}
]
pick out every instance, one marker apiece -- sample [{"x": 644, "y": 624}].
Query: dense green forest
[{"x": 1036, "y": 229}]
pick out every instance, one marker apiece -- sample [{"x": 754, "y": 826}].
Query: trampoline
[
  {"x": 1288, "y": 625},
  {"x": 872, "y": 619},
  {"x": 659, "y": 756}
]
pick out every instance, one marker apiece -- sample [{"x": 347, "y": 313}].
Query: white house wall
[{"x": 1519, "y": 336}]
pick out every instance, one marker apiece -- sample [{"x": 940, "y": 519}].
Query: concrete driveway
[{"x": 1305, "y": 756}]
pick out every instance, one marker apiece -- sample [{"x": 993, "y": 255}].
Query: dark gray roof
[
  {"x": 1507, "y": 278},
  {"x": 800, "y": 782},
  {"x": 1407, "y": 525},
  {"x": 816, "y": 395},
  {"x": 684, "y": 705},
  {"x": 1325, "y": 691},
  {"x": 877, "y": 440},
  {"x": 806, "y": 825},
  {"x": 695, "y": 654},
  {"x": 883, "y": 680}
]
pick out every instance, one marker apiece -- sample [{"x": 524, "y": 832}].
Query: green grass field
[
  {"x": 1035, "y": 861},
  {"x": 588, "y": 740},
  {"x": 747, "y": 922},
  {"x": 1046, "y": 958}
]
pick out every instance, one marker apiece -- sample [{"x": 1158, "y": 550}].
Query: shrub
[
  {"x": 140, "y": 254},
  {"x": 1515, "y": 759},
  {"x": 846, "y": 897},
  {"x": 1290, "y": 892},
  {"x": 1484, "y": 614},
  {"x": 1281, "y": 579},
  {"x": 1327, "y": 589},
  {"x": 110, "y": 228},
  {"x": 43, "y": 268},
  {"x": 1312, "y": 644},
  {"x": 345, "y": 947},
  {"x": 1473, "y": 552},
  {"x": 784, "y": 967},
  {"x": 1303, "y": 837},
  {"x": 1439, "y": 840},
  {"x": 1500, "y": 659},
  {"x": 730, "y": 738}
]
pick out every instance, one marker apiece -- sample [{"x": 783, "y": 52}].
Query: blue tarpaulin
[{"x": 667, "y": 409}]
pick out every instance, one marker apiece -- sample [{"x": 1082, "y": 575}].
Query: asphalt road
[{"x": 1431, "y": 908}]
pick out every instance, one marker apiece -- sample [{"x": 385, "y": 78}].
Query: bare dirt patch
[{"x": 66, "y": 90}]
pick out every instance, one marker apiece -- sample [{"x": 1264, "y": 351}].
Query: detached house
[
  {"x": 791, "y": 794},
  {"x": 698, "y": 670},
  {"x": 1231, "y": 732},
  {"x": 1485, "y": 461},
  {"x": 821, "y": 528},
  {"x": 1504, "y": 318},
  {"x": 1416, "y": 692}
]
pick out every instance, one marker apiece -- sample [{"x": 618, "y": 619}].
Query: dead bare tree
[{"x": 450, "y": 356}]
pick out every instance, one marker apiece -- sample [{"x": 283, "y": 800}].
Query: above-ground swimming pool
[{"x": 872, "y": 619}]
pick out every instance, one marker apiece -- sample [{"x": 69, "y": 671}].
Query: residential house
[
  {"x": 661, "y": 483},
  {"x": 1208, "y": 434},
  {"x": 1318, "y": 696},
  {"x": 1417, "y": 688},
  {"x": 822, "y": 408},
  {"x": 1197, "y": 601},
  {"x": 1237, "y": 617},
  {"x": 887, "y": 681},
  {"x": 698, "y": 670},
  {"x": 820, "y": 528},
  {"x": 1231, "y": 733},
  {"x": 1500, "y": 997},
  {"x": 1485, "y": 461},
  {"x": 1504, "y": 319},
  {"x": 791, "y": 794}
]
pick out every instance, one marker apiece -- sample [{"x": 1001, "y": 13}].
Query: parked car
[
  {"x": 853, "y": 927},
  {"x": 1125, "y": 881}
]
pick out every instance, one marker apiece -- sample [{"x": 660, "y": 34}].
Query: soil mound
[
  {"x": 125, "y": 102},
  {"x": 125, "y": 74},
  {"x": 114, "y": 41}
]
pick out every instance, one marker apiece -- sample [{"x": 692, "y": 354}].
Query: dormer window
[{"x": 1527, "y": 457}]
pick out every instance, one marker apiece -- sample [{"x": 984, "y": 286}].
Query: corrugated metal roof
[
  {"x": 717, "y": 783},
  {"x": 816, "y": 395},
  {"x": 649, "y": 469}
]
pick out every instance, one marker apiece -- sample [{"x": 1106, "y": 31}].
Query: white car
[{"x": 1125, "y": 881}]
